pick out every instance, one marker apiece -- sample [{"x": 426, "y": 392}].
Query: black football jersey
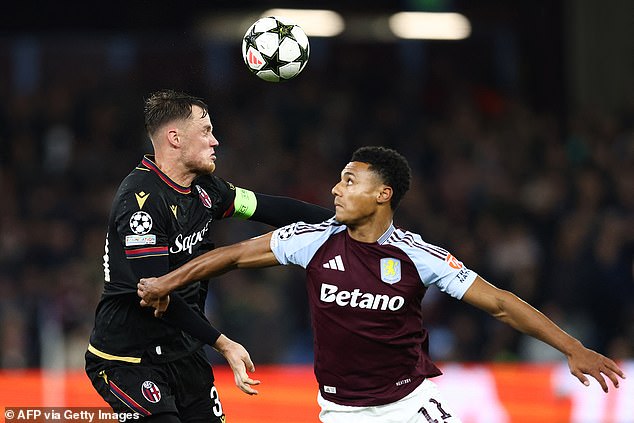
[{"x": 155, "y": 226}]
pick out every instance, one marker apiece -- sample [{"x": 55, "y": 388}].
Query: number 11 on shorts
[{"x": 443, "y": 414}]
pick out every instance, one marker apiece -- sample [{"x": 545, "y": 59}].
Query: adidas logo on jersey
[{"x": 335, "y": 264}]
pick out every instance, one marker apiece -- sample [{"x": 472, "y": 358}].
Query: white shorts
[{"x": 423, "y": 405}]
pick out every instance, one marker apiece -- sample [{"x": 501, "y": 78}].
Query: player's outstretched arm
[
  {"x": 184, "y": 317},
  {"x": 240, "y": 361},
  {"x": 253, "y": 253},
  {"x": 280, "y": 211},
  {"x": 510, "y": 309}
]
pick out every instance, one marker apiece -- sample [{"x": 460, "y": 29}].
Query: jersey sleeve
[
  {"x": 141, "y": 224},
  {"x": 298, "y": 242},
  {"x": 436, "y": 266},
  {"x": 454, "y": 278}
]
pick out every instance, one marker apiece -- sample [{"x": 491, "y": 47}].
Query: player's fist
[{"x": 151, "y": 297}]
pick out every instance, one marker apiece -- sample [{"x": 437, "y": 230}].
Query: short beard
[
  {"x": 205, "y": 170},
  {"x": 212, "y": 167}
]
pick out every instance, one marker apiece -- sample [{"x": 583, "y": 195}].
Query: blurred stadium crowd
[{"x": 536, "y": 201}]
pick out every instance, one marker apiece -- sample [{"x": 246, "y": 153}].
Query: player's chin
[
  {"x": 206, "y": 168},
  {"x": 340, "y": 216}
]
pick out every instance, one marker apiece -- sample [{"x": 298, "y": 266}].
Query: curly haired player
[{"x": 366, "y": 279}]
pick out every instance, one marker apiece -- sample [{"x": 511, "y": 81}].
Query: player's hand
[
  {"x": 152, "y": 295},
  {"x": 150, "y": 299},
  {"x": 160, "y": 305},
  {"x": 585, "y": 361},
  {"x": 151, "y": 288},
  {"x": 240, "y": 361}
]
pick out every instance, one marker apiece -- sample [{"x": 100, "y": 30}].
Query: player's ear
[
  {"x": 172, "y": 136},
  {"x": 385, "y": 194}
]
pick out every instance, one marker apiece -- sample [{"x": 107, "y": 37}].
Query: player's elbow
[
  {"x": 509, "y": 308},
  {"x": 500, "y": 305}
]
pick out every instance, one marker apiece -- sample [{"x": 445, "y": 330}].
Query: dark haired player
[
  {"x": 366, "y": 279},
  {"x": 162, "y": 217}
]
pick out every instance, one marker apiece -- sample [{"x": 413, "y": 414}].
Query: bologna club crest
[
  {"x": 204, "y": 197},
  {"x": 151, "y": 392}
]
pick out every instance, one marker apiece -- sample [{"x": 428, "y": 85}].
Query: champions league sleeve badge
[
  {"x": 286, "y": 232},
  {"x": 141, "y": 223},
  {"x": 282, "y": 234}
]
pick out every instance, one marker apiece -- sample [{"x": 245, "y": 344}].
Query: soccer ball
[{"x": 275, "y": 49}]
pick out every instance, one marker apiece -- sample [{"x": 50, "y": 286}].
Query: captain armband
[{"x": 244, "y": 204}]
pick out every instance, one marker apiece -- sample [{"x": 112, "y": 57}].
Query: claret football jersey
[{"x": 370, "y": 346}]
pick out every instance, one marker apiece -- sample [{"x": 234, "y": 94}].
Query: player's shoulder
[
  {"x": 140, "y": 175},
  {"x": 209, "y": 179},
  {"x": 414, "y": 244},
  {"x": 314, "y": 230},
  {"x": 400, "y": 235},
  {"x": 297, "y": 243},
  {"x": 141, "y": 188},
  {"x": 147, "y": 175},
  {"x": 327, "y": 226},
  {"x": 139, "y": 180},
  {"x": 213, "y": 184}
]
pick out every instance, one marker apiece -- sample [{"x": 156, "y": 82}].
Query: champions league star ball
[{"x": 275, "y": 49}]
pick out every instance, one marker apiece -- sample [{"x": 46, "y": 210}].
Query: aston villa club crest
[
  {"x": 151, "y": 392},
  {"x": 204, "y": 197},
  {"x": 390, "y": 270}
]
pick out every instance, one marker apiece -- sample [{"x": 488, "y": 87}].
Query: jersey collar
[
  {"x": 383, "y": 238},
  {"x": 149, "y": 163}
]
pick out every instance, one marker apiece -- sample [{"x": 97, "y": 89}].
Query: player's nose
[{"x": 335, "y": 190}]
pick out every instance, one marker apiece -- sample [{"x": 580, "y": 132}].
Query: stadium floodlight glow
[
  {"x": 430, "y": 26},
  {"x": 314, "y": 22}
]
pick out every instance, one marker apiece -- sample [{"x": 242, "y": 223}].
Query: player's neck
[
  {"x": 371, "y": 229},
  {"x": 175, "y": 171}
]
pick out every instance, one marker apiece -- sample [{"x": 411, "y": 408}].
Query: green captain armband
[{"x": 244, "y": 204}]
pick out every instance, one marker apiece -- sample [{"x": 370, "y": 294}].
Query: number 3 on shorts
[{"x": 216, "y": 399}]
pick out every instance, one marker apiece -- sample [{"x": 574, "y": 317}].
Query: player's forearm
[
  {"x": 525, "y": 318},
  {"x": 253, "y": 253},
  {"x": 180, "y": 314},
  {"x": 210, "y": 264},
  {"x": 281, "y": 211}
]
